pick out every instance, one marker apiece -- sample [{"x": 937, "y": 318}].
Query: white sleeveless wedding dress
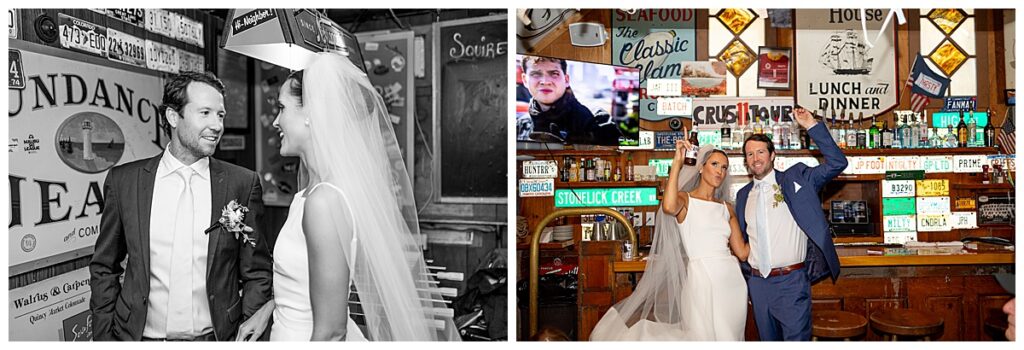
[
  {"x": 293, "y": 316},
  {"x": 714, "y": 279}
]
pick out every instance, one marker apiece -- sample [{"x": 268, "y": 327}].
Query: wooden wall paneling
[{"x": 942, "y": 295}]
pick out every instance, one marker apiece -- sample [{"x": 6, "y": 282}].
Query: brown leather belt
[{"x": 779, "y": 271}]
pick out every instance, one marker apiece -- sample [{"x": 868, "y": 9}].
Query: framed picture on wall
[{"x": 773, "y": 68}]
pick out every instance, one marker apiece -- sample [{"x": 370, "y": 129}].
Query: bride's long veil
[
  {"x": 354, "y": 147},
  {"x": 663, "y": 305}
]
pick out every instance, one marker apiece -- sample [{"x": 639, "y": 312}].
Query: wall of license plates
[{"x": 165, "y": 40}]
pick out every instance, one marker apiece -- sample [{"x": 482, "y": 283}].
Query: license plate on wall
[{"x": 540, "y": 169}]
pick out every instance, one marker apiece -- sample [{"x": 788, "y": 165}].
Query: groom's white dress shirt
[
  {"x": 787, "y": 242},
  {"x": 167, "y": 189}
]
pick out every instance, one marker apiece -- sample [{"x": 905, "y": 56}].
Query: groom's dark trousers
[
  {"x": 238, "y": 276},
  {"x": 782, "y": 304}
]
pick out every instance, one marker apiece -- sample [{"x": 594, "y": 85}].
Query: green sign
[
  {"x": 662, "y": 164},
  {"x": 943, "y": 119},
  {"x": 606, "y": 197},
  {"x": 709, "y": 137},
  {"x": 905, "y": 175},
  {"x": 899, "y": 206}
]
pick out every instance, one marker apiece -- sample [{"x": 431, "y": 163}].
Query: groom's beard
[{"x": 198, "y": 146}]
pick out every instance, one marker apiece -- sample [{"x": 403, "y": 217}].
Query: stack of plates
[{"x": 562, "y": 233}]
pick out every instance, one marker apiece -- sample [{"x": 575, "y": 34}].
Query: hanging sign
[
  {"x": 82, "y": 36},
  {"x": 136, "y": 17},
  {"x": 900, "y": 223},
  {"x": 903, "y": 163},
  {"x": 126, "y": 48},
  {"x": 865, "y": 165},
  {"x": 656, "y": 41},
  {"x": 664, "y": 87},
  {"x": 676, "y": 106},
  {"x": 960, "y": 103},
  {"x": 712, "y": 112},
  {"x": 969, "y": 163},
  {"x": 937, "y": 164},
  {"x": 606, "y": 197},
  {"x": 536, "y": 187},
  {"x": 963, "y": 219},
  {"x": 54, "y": 309},
  {"x": 845, "y": 73},
  {"x": 933, "y": 187},
  {"x": 543, "y": 169},
  {"x": 899, "y": 206},
  {"x": 933, "y": 222},
  {"x": 898, "y": 188},
  {"x": 941, "y": 120},
  {"x": 932, "y": 205}
]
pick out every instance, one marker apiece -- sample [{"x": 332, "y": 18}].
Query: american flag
[
  {"x": 930, "y": 85},
  {"x": 1006, "y": 137}
]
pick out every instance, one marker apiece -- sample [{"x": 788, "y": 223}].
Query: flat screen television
[{"x": 582, "y": 104}]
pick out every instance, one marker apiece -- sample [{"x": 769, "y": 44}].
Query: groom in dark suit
[
  {"x": 790, "y": 240},
  {"x": 186, "y": 276}
]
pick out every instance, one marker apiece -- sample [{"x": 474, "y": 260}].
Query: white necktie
[
  {"x": 179, "y": 308},
  {"x": 763, "y": 247}
]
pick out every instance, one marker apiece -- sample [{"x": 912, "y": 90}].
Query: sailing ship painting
[{"x": 846, "y": 54}]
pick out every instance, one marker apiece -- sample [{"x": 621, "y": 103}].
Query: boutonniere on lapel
[
  {"x": 231, "y": 219},
  {"x": 778, "y": 195}
]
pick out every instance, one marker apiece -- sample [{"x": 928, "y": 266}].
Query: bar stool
[
  {"x": 835, "y": 324},
  {"x": 906, "y": 323}
]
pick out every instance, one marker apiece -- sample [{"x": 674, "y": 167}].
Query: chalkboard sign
[
  {"x": 471, "y": 109},
  {"x": 995, "y": 210}
]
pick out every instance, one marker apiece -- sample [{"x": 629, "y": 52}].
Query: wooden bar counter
[{"x": 959, "y": 287}]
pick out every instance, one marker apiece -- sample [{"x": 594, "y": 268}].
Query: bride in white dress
[
  {"x": 347, "y": 250},
  {"x": 692, "y": 287}
]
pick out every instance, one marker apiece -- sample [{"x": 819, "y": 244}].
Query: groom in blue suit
[{"x": 791, "y": 246}]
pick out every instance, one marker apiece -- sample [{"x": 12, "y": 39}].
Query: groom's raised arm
[
  {"x": 105, "y": 268},
  {"x": 255, "y": 265}
]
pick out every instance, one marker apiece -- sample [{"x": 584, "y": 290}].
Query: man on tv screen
[{"x": 556, "y": 114}]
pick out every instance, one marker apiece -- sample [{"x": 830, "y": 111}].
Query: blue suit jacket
[{"x": 805, "y": 205}]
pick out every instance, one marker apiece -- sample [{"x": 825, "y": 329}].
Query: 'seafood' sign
[
  {"x": 898, "y": 188},
  {"x": 865, "y": 165},
  {"x": 900, "y": 223},
  {"x": 678, "y": 106},
  {"x": 903, "y": 163},
  {"x": 540, "y": 169},
  {"x": 606, "y": 197},
  {"x": 933, "y": 187},
  {"x": 937, "y": 164}
]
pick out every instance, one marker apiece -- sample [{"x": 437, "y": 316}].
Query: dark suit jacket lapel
[
  {"x": 144, "y": 191},
  {"x": 218, "y": 199}
]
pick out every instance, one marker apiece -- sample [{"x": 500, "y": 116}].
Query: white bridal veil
[
  {"x": 355, "y": 149},
  {"x": 663, "y": 305}
]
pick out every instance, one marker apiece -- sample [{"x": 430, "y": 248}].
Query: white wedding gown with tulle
[{"x": 293, "y": 316}]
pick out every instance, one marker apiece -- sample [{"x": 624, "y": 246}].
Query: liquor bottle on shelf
[
  {"x": 737, "y": 131},
  {"x": 907, "y": 136},
  {"x": 726, "y": 133},
  {"x": 990, "y": 132},
  {"x": 922, "y": 133},
  {"x": 598, "y": 169},
  {"x": 961, "y": 132},
  {"x": 565, "y": 169},
  {"x": 862, "y": 134},
  {"x": 887, "y": 135},
  {"x": 747, "y": 129},
  {"x": 758, "y": 127},
  {"x": 841, "y": 130},
  {"x": 950, "y": 140},
  {"x": 629, "y": 168},
  {"x": 914, "y": 138},
  {"x": 607, "y": 170},
  {"x": 875, "y": 138},
  {"x": 769, "y": 130},
  {"x": 794, "y": 134},
  {"x": 832, "y": 128},
  {"x": 851, "y": 133},
  {"x": 618, "y": 172},
  {"x": 574, "y": 171},
  {"x": 691, "y": 154},
  {"x": 972, "y": 130}
]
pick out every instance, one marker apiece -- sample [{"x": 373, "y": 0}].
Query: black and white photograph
[{"x": 258, "y": 174}]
